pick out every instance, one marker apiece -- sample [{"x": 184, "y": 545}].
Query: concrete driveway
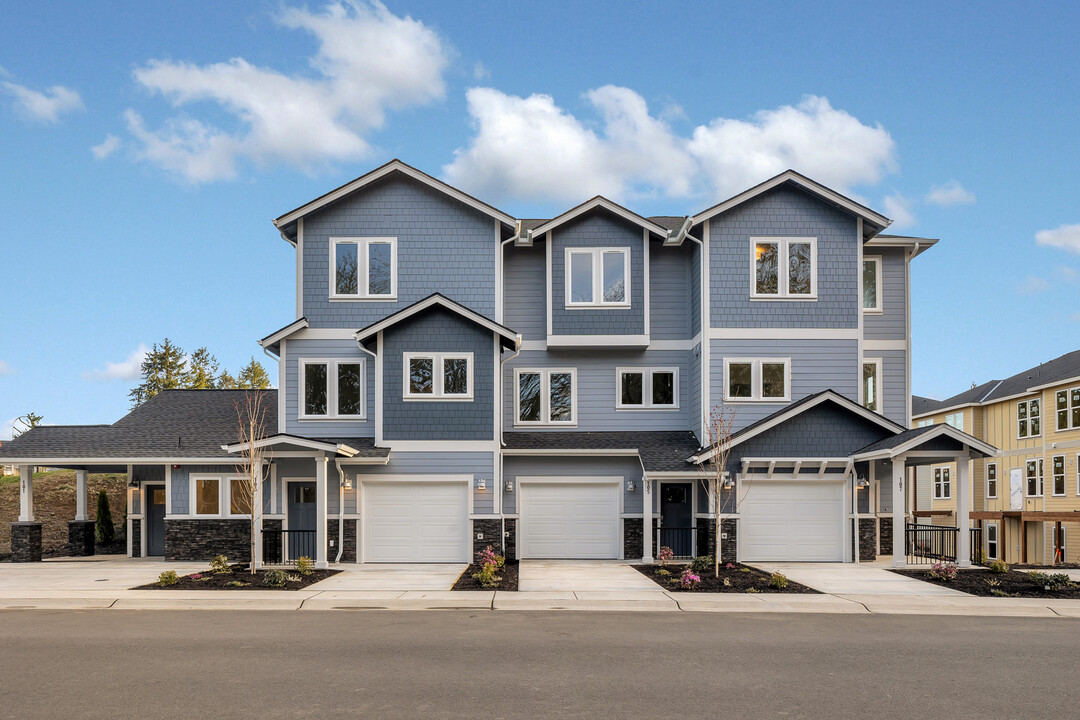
[
  {"x": 854, "y": 579},
  {"x": 364, "y": 578},
  {"x": 86, "y": 576},
  {"x": 581, "y": 576}
]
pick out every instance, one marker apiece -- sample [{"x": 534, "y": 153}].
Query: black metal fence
[
  {"x": 283, "y": 547},
  {"x": 679, "y": 539},
  {"x": 933, "y": 543}
]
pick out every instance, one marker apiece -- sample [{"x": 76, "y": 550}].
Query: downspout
[
  {"x": 341, "y": 511},
  {"x": 502, "y": 366}
]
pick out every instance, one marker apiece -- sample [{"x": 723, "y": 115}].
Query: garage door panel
[
  {"x": 793, "y": 520},
  {"x": 416, "y": 522},
  {"x": 570, "y": 520}
]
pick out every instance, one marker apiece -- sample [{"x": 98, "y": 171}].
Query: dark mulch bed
[
  {"x": 209, "y": 581},
  {"x": 509, "y": 575},
  {"x": 740, "y": 579},
  {"x": 977, "y": 581}
]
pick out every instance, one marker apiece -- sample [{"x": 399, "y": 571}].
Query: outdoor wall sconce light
[
  {"x": 509, "y": 486},
  {"x": 481, "y": 484},
  {"x": 347, "y": 483},
  {"x": 863, "y": 482},
  {"x": 630, "y": 486},
  {"x": 729, "y": 484}
]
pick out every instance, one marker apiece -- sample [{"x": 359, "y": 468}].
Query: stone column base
[
  {"x": 25, "y": 542},
  {"x": 81, "y": 537}
]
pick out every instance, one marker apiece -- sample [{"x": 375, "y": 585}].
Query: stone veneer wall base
[
  {"x": 81, "y": 535},
  {"x": 25, "y": 542}
]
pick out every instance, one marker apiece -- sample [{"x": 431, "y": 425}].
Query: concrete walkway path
[
  {"x": 854, "y": 579},
  {"x": 368, "y": 578}
]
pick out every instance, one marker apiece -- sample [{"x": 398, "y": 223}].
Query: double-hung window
[
  {"x": 1067, "y": 405},
  {"x": 991, "y": 481},
  {"x": 437, "y": 376},
  {"x": 545, "y": 397},
  {"x": 1057, "y": 475},
  {"x": 1034, "y": 475},
  {"x": 871, "y": 284},
  {"x": 1028, "y": 418},
  {"x": 647, "y": 388},
  {"x": 597, "y": 277},
  {"x": 871, "y": 378},
  {"x": 757, "y": 379},
  {"x": 956, "y": 420},
  {"x": 332, "y": 389},
  {"x": 992, "y": 540},
  {"x": 784, "y": 268},
  {"x": 363, "y": 268},
  {"x": 942, "y": 483}
]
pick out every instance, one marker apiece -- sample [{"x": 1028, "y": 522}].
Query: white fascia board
[
  {"x": 917, "y": 245},
  {"x": 937, "y": 431},
  {"x": 944, "y": 410},
  {"x": 284, "y": 332},
  {"x": 364, "y": 460},
  {"x": 600, "y": 202},
  {"x": 678, "y": 475},
  {"x": 450, "y": 305},
  {"x": 339, "y": 448},
  {"x": 1047, "y": 386},
  {"x": 597, "y": 341}
]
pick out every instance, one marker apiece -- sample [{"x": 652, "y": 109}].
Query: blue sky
[{"x": 144, "y": 148}]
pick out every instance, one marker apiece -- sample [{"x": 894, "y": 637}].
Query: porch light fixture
[
  {"x": 630, "y": 487},
  {"x": 481, "y": 484},
  {"x": 863, "y": 482},
  {"x": 347, "y": 483},
  {"x": 729, "y": 484},
  {"x": 509, "y": 486}
]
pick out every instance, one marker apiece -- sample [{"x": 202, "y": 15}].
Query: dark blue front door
[
  {"x": 301, "y": 520},
  {"x": 677, "y": 518},
  {"x": 155, "y": 519}
]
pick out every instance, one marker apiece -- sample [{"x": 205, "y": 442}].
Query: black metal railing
[
  {"x": 933, "y": 543},
  {"x": 283, "y": 547},
  {"x": 976, "y": 544},
  {"x": 679, "y": 539}
]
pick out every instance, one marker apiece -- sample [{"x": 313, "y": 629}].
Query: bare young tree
[
  {"x": 718, "y": 430},
  {"x": 246, "y": 494}
]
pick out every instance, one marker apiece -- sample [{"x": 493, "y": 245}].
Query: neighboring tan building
[{"x": 1027, "y": 497}]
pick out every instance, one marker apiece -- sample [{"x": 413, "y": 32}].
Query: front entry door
[
  {"x": 302, "y": 521},
  {"x": 155, "y": 519},
  {"x": 677, "y": 518}
]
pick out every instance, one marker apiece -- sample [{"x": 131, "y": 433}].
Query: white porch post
[
  {"x": 320, "y": 512},
  {"x": 646, "y": 520},
  {"x": 963, "y": 540},
  {"x": 258, "y": 508},
  {"x": 899, "y": 512},
  {"x": 26, "y": 493},
  {"x": 80, "y": 494}
]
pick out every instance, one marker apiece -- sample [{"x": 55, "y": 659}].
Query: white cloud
[
  {"x": 46, "y": 106},
  {"x": 480, "y": 71},
  {"x": 898, "y": 209},
  {"x": 531, "y": 148},
  {"x": 1033, "y": 285},
  {"x": 127, "y": 369},
  {"x": 1066, "y": 237},
  {"x": 108, "y": 146},
  {"x": 6, "y": 426},
  {"x": 369, "y": 61},
  {"x": 949, "y": 194},
  {"x": 6, "y": 369}
]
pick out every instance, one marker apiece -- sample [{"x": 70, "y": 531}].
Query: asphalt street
[{"x": 456, "y": 664}]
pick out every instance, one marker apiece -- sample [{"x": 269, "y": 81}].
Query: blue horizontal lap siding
[
  {"x": 670, "y": 297},
  {"x": 891, "y": 323},
  {"x": 524, "y": 273},
  {"x": 438, "y": 330},
  {"x": 629, "y": 468},
  {"x": 414, "y": 466},
  {"x": 594, "y": 231},
  {"x": 893, "y": 383},
  {"x": 442, "y": 246},
  {"x": 295, "y": 350},
  {"x": 784, "y": 213}
]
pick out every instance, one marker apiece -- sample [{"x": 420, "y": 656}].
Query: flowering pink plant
[
  {"x": 196, "y": 576},
  {"x": 688, "y": 580},
  {"x": 730, "y": 566},
  {"x": 664, "y": 555},
  {"x": 487, "y": 556}
]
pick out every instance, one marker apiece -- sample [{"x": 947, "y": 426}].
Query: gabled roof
[
  {"x": 659, "y": 450},
  {"x": 799, "y": 406},
  {"x": 286, "y": 222},
  {"x": 272, "y": 341},
  {"x": 596, "y": 203},
  {"x": 972, "y": 396},
  {"x": 873, "y": 222},
  {"x": 508, "y": 337},
  {"x": 911, "y": 439},
  {"x": 356, "y": 448},
  {"x": 918, "y": 245}
]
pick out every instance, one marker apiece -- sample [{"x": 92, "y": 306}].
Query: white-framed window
[
  {"x": 757, "y": 379},
  {"x": 545, "y": 396},
  {"x": 942, "y": 483},
  {"x": 646, "y": 388},
  {"x": 1028, "y": 418},
  {"x": 991, "y": 481},
  {"x": 363, "y": 268},
  {"x": 871, "y": 384},
  {"x": 437, "y": 376},
  {"x": 1057, "y": 475},
  {"x": 597, "y": 277},
  {"x": 1067, "y": 409},
  {"x": 925, "y": 422},
  {"x": 955, "y": 420},
  {"x": 783, "y": 268},
  {"x": 215, "y": 495},
  {"x": 332, "y": 389},
  {"x": 871, "y": 284},
  {"x": 1033, "y": 472},
  {"x": 992, "y": 540}
]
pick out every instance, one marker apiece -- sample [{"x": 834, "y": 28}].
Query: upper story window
[
  {"x": 871, "y": 375},
  {"x": 925, "y": 423},
  {"x": 991, "y": 481},
  {"x": 437, "y": 376},
  {"x": 956, "y": 420},
  {"x": 363, "y": 268},
  {"x": 647, "y": 388},
  {"x": 1057, "y": 475},
  {"x": 597, "y": 277},
  {"x": 942, "y": 483},
  {"x": 757, "y": 379},
  {"x": 1034, "y": 475},
  {"x": 784, "y": 268},
  {"x": 1028, "y": 418},
  {"x": 871, "y": 284},
  {"x": 332, "y": 389},
  {"x": 545, "y": 397},
  {"x": 1067, "y": 405}
]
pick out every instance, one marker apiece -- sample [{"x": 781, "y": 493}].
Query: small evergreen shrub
[
  {"x": 998, "y": 567},
  {"x": 662, "y": 572},
  {"x": 778, "y": 581},
  {"x": 1049, "y": 581},
  {"x": 219, "y": 565},
  {"x": 106, "y": 532},
  {"x": 237, "y": 583},
  {"x": 168, "y": 577},
  {"x": 305, "y": 565},
  {"x": 275, "y": 578},
  {"x": 701, "y": 563}
]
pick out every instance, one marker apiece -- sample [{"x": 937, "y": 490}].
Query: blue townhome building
[{"x": 456, "y": 377}]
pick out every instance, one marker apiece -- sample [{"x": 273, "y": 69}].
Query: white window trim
[
  {"x": 1064, "y": 476},
  {"x": 597, "y": 255},
  {"x": 755, "y": 380},
  {"x": 988, "y": 495},
  {"x": 1040, "y": 469},
  {"x": 224, "y": 495},
  {"x": 332, "y": 387},
  {"x": 783, "y": 271},
  {"x": 362, "y": 269},
  {"x": 545, "y": 393},
  {"x": 878, "y": 304},
  {"x": 946, "y": 472},
  {"x": 997, "y": 540},
  {"x": 1030, "y": 434},
  {"x": 959, "y": 414},
  {"x": 437, "y": 393},
  {"x": 646, "y": 388},
  {"x": 1068, "y": 411},
  {"x": 862, "y": 386},
  {"x": 925, "y": 423}
]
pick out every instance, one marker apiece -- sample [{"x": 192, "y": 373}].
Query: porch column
[
  {"x": 646, "y": 519},
  {"x": 320, "y": 513},
  {"x": 26, "y": 493},
  {"x": 80, "y": 494},
  {"x": 258, "y": 508},
  {"x": 899, "y": 512},
  {"x": 963, "y": 540}
]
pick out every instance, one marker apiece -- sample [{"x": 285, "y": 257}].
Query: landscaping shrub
[
  {"x": 701, "y": 563},
  {"x": 778, "y": 581},
  {"x": 1049, "y": 581},
  {"x": 689, "y": 580},
  {"x": 106, "y": 532},
  {"x": 662, "y": 572},
  {"x": 665, "y": 555},
  {"x": 219, "y": 565},
  {"x": 168, "y": 577},
  {"x": 998, "y": 567},
  {"x": 275, "y": 578},
  {"x": 943, "y": 571},
  {"x": 237, "y": 583},
  {"x": 305, "y": 565},
  {"x": 489, "y": 563}
]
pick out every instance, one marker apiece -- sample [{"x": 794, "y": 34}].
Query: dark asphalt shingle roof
[
  {"x": 892, "y": 441},
  {"x": 660, "y": 450}
]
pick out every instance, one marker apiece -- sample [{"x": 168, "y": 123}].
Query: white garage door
[
  {"x": 570, "y": 520},
  {"x": 793, "y": 520},
  {"x": 416, "y": 522}
]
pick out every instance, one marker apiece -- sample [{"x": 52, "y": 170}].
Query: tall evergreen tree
[
  {"x": 163, "y": 368},
  {"x": 202, "y": 370},
  {"x": 226, "y": 381},
  {"x": 253, "y": 377}
]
